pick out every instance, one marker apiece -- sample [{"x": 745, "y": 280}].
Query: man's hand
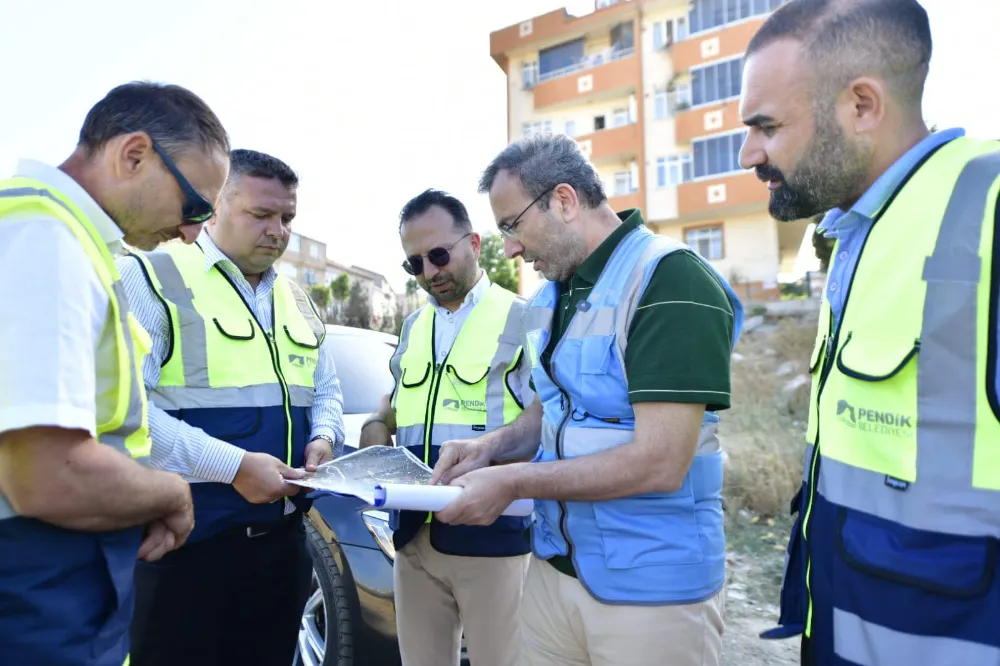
[
  {"x": 157, "y": 542},
  {"x": 374, "y": 433},
  {"x": 170, "y": 531},
  {"x": 458, "y": 457},
  {"x": 485, "y": 494},
  {"x": 261, "y": 478},
  {"x": 318, "y": 451}
]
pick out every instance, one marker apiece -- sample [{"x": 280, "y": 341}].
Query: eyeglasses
[
  {"x": 197, "y": 209},
  {"x": 510, "y": 230},
  {"x": 439, "y": 256}
]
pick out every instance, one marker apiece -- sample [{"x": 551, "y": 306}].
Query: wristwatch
[{"x": 327, "y": 438}]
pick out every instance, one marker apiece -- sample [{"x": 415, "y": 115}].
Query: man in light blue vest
[{"x": 630, "y": 343}]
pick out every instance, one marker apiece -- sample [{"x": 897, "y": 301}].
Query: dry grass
[{"x": 764, "y": 431}]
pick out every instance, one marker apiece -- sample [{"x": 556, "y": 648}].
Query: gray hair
[
  {"x": 845, "y": 39},
  {"x": 544, "y": 161}
]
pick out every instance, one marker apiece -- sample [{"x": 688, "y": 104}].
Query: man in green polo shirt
[{"x": 630, "y": 342}]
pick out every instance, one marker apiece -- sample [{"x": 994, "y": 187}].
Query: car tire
[{"x": 337, "y": 605}]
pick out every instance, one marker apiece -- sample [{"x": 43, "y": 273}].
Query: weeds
[{"x": 764, "y": 431}]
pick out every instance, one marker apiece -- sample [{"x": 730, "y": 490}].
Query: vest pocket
[
  {"x": 300, "y": 338},
  {"x": 414, "y": 374},
  {"x": 604, "y": 391},
  {"x": 235, "y": 329},
  {"x": 649, "y": 530},
  {"x": 868, "y": 361},
  {"x": 949, "y": 565}
]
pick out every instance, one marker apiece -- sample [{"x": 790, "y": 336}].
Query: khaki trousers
[
  {"x": 562, "y": 625},
  {"x": 438, "y": 595}
]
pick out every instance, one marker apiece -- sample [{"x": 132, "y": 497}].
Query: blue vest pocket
[
  {"x": 648, "y": 530},
  {"x": 949, "y": 565}
]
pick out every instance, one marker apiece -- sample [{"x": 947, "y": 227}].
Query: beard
[
  {"x": 560, "y": 251},
  {"x": 832, "y": 172}
]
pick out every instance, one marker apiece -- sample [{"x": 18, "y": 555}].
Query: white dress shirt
[
  {"x": 447, "y": 325},
  {"x": 185, "y": 449},
  {"x": 58, "y": 359}
]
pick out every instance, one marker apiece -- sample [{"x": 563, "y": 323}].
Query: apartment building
[
  {"x": 305, "y": 261},
  {"x": 650, "y": 90}
]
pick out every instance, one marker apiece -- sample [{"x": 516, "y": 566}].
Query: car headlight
[{"x": 377, "y": 523}]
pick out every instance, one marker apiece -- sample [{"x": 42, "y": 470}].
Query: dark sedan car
[{"x": 350, "y": 618}]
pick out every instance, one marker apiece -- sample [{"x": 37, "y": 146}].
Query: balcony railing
[{"x": 588, "y": 62}]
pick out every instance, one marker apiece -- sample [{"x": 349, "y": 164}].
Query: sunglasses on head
[
  {"x": 438, "y": 256},
  {"x": 196, "y": 209}
]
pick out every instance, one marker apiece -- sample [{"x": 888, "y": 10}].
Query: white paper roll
[{"x": 433, "y": 498}]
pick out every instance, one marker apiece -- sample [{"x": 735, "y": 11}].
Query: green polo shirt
[{"x": 680, "y": 341}]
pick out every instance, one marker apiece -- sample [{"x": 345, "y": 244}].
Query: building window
[
  {"x": 315, "y": 251},
  {"x": 623, "y": 183},
  {"x": 710, "y": 14},
  {"x": 722, "y": 80},
  {"x": 706, "y": 241},
  {"x": 529, "y": 74},
  {"x": 288, "y": 270},
  {"x": 717, "y": 155},
  {"x": 660, "y": 105},
  {"x": 619, "y": 117},
  {"x": 673, "y": 170},
  {"x": 294, "y": 243},
  {"x": 537, "y": 128},
  {"x": 570, "y": 129},
  {"x": 669, "y": 31}
]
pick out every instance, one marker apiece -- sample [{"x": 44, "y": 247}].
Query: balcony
[
  {"x": 602, "y": 75},
  {"x": 617, "y": 144},
  {"x": 733, "y": 193},
  {"x": 707, "y": 119},
  {"x": 622, "y": 202},
  {"x": 704, "y": 47}
]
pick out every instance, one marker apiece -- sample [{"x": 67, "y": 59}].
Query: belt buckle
[{"x": 252, "y": 533}]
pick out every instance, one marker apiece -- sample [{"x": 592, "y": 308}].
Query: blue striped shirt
[{"x": 187, "y": 450}]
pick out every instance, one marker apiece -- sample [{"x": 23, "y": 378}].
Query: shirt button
[
  {"x": 833, "y": 286},
  {"x": 843, "y": 256}
]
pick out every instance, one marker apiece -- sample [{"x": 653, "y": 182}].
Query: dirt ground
[{"x": 755, "y": 562}]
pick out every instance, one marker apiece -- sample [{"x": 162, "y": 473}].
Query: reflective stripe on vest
[
  {"x": 899, "y": 417},
  {"x": 221, "y": 357},
  {"x": 467, "y": 395},
  {"x": 124, "y": 427}
]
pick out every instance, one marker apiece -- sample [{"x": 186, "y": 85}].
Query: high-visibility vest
[
  {"x": 655, "y": 548},
  {"x": 66, "y": 595},
  {"x": 463, "y": 397},
  {"x": 893, "y": 558},
  {"x": 230, "y": 377}
]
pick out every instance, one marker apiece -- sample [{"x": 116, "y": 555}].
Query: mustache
[{"x": 766, "y": 172}]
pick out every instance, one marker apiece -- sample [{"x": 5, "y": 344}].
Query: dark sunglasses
[
  {"x": 439, "y": 256},
  {"x": 197, "y": 209}
]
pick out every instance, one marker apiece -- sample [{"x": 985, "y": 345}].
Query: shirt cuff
[{"x": 217, "y": 460}]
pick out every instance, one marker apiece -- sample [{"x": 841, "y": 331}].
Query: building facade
[
  {"x": 305, "y": 261},
  {"x": 650, "y": 90}
]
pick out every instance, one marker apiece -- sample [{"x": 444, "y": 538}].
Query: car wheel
[{"x": 326, "y": 632}]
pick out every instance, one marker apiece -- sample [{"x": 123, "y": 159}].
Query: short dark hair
[
  {"x": 845, "y": 39},
  {"x": 174, "y": 117},
  {"x": 544, "y": 161},
  {"x": 252, "y": 163},
  {"x": 421, "y": 203}
]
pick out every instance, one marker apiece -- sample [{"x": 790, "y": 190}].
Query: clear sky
[{"x": 370, "y": 101}]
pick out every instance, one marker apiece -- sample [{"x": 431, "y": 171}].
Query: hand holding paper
[{"x": 487, "y": 493}]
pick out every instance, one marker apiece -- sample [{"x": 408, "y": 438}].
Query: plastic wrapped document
[{"x": 390, "y": 478}]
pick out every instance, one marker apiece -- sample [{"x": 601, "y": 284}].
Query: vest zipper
[
  {"x": 273, "y": 351},
  {"x": 432, "y": 396},
  {"x": 563, "y": 514}
]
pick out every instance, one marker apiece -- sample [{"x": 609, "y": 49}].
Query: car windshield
[{"x": 363, "y": 369}]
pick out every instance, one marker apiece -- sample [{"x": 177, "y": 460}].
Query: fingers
[
  {"x": 288, "y": 472},
  {"x": 158, "y": 542},
  {"x": 317, "y": 454},
  {"x": 451, "y": 476},
  {"x": 446, "y": 461}
]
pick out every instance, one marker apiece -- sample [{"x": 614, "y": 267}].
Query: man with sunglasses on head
[
  {"x": 458, "y": 373},
  {"x": 630, "y": 343},
  {"x": 77, "y": 506},
  {"x": 244, "y": 392}
]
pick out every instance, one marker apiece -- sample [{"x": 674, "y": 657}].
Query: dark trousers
[{"x": 230, "y": 599}]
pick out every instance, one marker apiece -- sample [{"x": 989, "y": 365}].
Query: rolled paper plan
[{"x": 432, "y": 498}]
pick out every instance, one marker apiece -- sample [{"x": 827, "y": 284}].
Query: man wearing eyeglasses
[
  {"x": 77, "y": 506},
  {"x": 630, "y": 343},
  {"x": 458, "y": 373},
  {"x": 244, "y": 392}
]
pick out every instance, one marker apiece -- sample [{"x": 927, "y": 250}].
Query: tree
[
  {"x": 358, "y": 311},
  {"x": 412, "y": 286},
  {"x": 498, "y": 267},
  {"x": 320, "y": 296},
  {"x": 340, "y": 290}
]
